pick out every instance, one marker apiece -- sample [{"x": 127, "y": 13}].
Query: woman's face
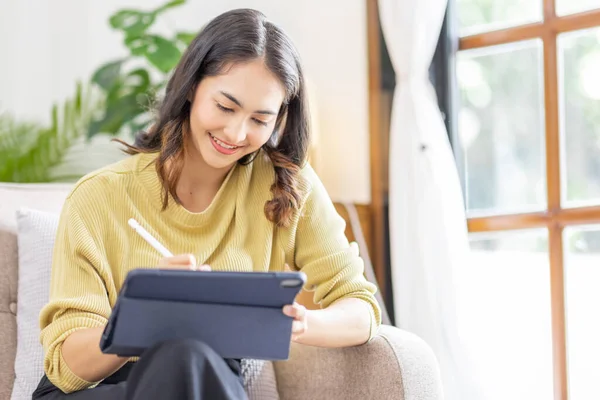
[{"x": 233, "y": 114}]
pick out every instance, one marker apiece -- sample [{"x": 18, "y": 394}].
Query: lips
[{"x": 223, "y": 147}]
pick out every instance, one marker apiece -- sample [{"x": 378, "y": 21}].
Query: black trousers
[{"x": 179, "y": 369}]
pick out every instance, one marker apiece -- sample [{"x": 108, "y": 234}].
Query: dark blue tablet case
[{"x": 238, "y": 314}]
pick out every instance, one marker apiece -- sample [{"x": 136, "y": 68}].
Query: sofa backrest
[{"x": 43, "y": 197}]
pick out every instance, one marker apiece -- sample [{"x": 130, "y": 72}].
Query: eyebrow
[{"x": 236, "y": 101}]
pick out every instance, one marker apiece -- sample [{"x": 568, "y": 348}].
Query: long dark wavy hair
[{"x": 235, "y": 36}]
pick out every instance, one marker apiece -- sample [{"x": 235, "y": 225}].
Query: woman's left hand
[{"x": 298, "y": 312}]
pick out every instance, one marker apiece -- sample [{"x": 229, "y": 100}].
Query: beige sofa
[{"x": 395, "y": 365}]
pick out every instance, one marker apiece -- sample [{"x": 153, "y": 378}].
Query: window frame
[{"x": 554, "y": 218}]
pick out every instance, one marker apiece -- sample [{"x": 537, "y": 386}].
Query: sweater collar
[{"x": 222, "y": 206}]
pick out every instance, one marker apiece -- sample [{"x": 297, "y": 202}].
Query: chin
[{"x": 217, "y": 163}]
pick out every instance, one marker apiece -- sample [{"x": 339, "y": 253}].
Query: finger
[
  {"x": 295, "y": 310},
  {"x": 182, "y": 259},
  {"x": 163, "y": 263},
  {"x": 288, "y": 268},
  {"x": 188, "y": 267},
  {"x": 185, "y": 261},
  {"x": 300, "y": 310},
  {"x": 290, "y": 311},
  {"x": 202, "y": 267},
  {"x": 298, "y": 327},
  {"x": 180, "y": 267}
]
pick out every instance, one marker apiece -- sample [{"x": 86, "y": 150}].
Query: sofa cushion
[
  {"x": 36, "y": 233},
  {"x": 259, "y": 380},
  {"x": 46, "y": 197},
  {"x": 8, "y": 332}
]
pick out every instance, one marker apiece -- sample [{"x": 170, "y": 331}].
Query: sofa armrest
[{"x": 394, "y": 365}]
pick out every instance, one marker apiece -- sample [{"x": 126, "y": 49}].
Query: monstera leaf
[
  {"x": 160, "y": 52},
  {"x": 132, "y": 83}
]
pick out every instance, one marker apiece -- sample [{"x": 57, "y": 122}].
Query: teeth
[{"x": 223, "y": 144}]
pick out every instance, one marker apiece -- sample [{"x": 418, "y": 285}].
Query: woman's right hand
[
  {"x": 80, "y": 349},
  {"x": 182, "y": 261}
]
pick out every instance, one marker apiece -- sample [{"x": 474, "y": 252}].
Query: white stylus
[{"x": 149, "y": 238}]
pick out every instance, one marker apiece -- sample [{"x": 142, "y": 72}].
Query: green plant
[
  {"x": 131, "y": 89},
  {"x": 128, "y": 86},
  {"x": 29, "y": 151}
]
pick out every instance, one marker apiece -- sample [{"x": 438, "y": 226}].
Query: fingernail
[{"x": 287, "y": 309}]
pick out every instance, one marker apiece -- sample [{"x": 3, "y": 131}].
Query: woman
[{"x": 220, "y": 179}]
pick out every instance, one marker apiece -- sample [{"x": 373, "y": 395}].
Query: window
[{"x": 528, "y": 77}]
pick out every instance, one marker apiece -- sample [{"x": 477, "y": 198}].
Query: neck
[{"x": 197, "y": 175}]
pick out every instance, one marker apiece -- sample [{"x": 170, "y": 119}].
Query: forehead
[{"x": 252, "y": 83}]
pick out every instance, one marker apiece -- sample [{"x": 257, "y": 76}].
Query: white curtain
[{"x": 428, "y": 230}]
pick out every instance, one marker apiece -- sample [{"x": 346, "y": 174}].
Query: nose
[{"x": 235, "y": 131}]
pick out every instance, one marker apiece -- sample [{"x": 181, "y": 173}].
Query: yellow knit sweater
[{"x": 95, "y": 248}]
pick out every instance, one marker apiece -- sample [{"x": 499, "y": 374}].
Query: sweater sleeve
[
  {"x": 333, "y": 268},
  {"x": 78, "y": 296}
]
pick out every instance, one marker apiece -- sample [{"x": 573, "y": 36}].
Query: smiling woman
[
  {"x": 221, "y": 179},
  {"x": 267, "y": 80},
  {"x": 235, "y": 123}
]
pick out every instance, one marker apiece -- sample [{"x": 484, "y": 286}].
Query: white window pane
[
  {"x": 501, "y": 128},
  {"x": 477, "y": 16},
  {"x": 504, "y": 309},
  {"x": 564, "y": 7},
  {"x": 579, "y": 72},
  {"x": 582, "y": 301}
]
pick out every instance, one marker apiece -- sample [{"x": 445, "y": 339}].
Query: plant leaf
[
  {"x": 130, "y": 96},
  {"x": 165, "y": 55},
  {"x": 117, "y": 114},
  {"x": 132, "y": 22},
  {"x": 160, "y": 52},
  {"x": 108, "y": 74},
  {"x": 171, "y": 4},
  {"x": 37, "y": 149},
  {"x": 138, "y": 78},
  {"x": 138, "y": 45}
]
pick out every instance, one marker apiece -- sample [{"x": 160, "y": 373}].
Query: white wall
[{"x": 46, "y": 45}]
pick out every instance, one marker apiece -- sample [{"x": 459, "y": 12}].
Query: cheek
[
  {"x": 203, "y": 119},
  {"x": 259, "y": 136}
]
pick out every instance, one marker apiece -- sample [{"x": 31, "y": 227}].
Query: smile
[{"x": 221, "y": 146}]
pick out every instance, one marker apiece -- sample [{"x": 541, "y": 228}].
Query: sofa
[{"x": 394, "y": 365}]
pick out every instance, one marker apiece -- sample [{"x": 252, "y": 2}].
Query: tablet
[{"x": 238, "y": 314}]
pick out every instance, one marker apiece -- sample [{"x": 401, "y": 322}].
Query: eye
[
  {"x": 224, "y": 109},
  {"x": 259, "y": 122}
]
